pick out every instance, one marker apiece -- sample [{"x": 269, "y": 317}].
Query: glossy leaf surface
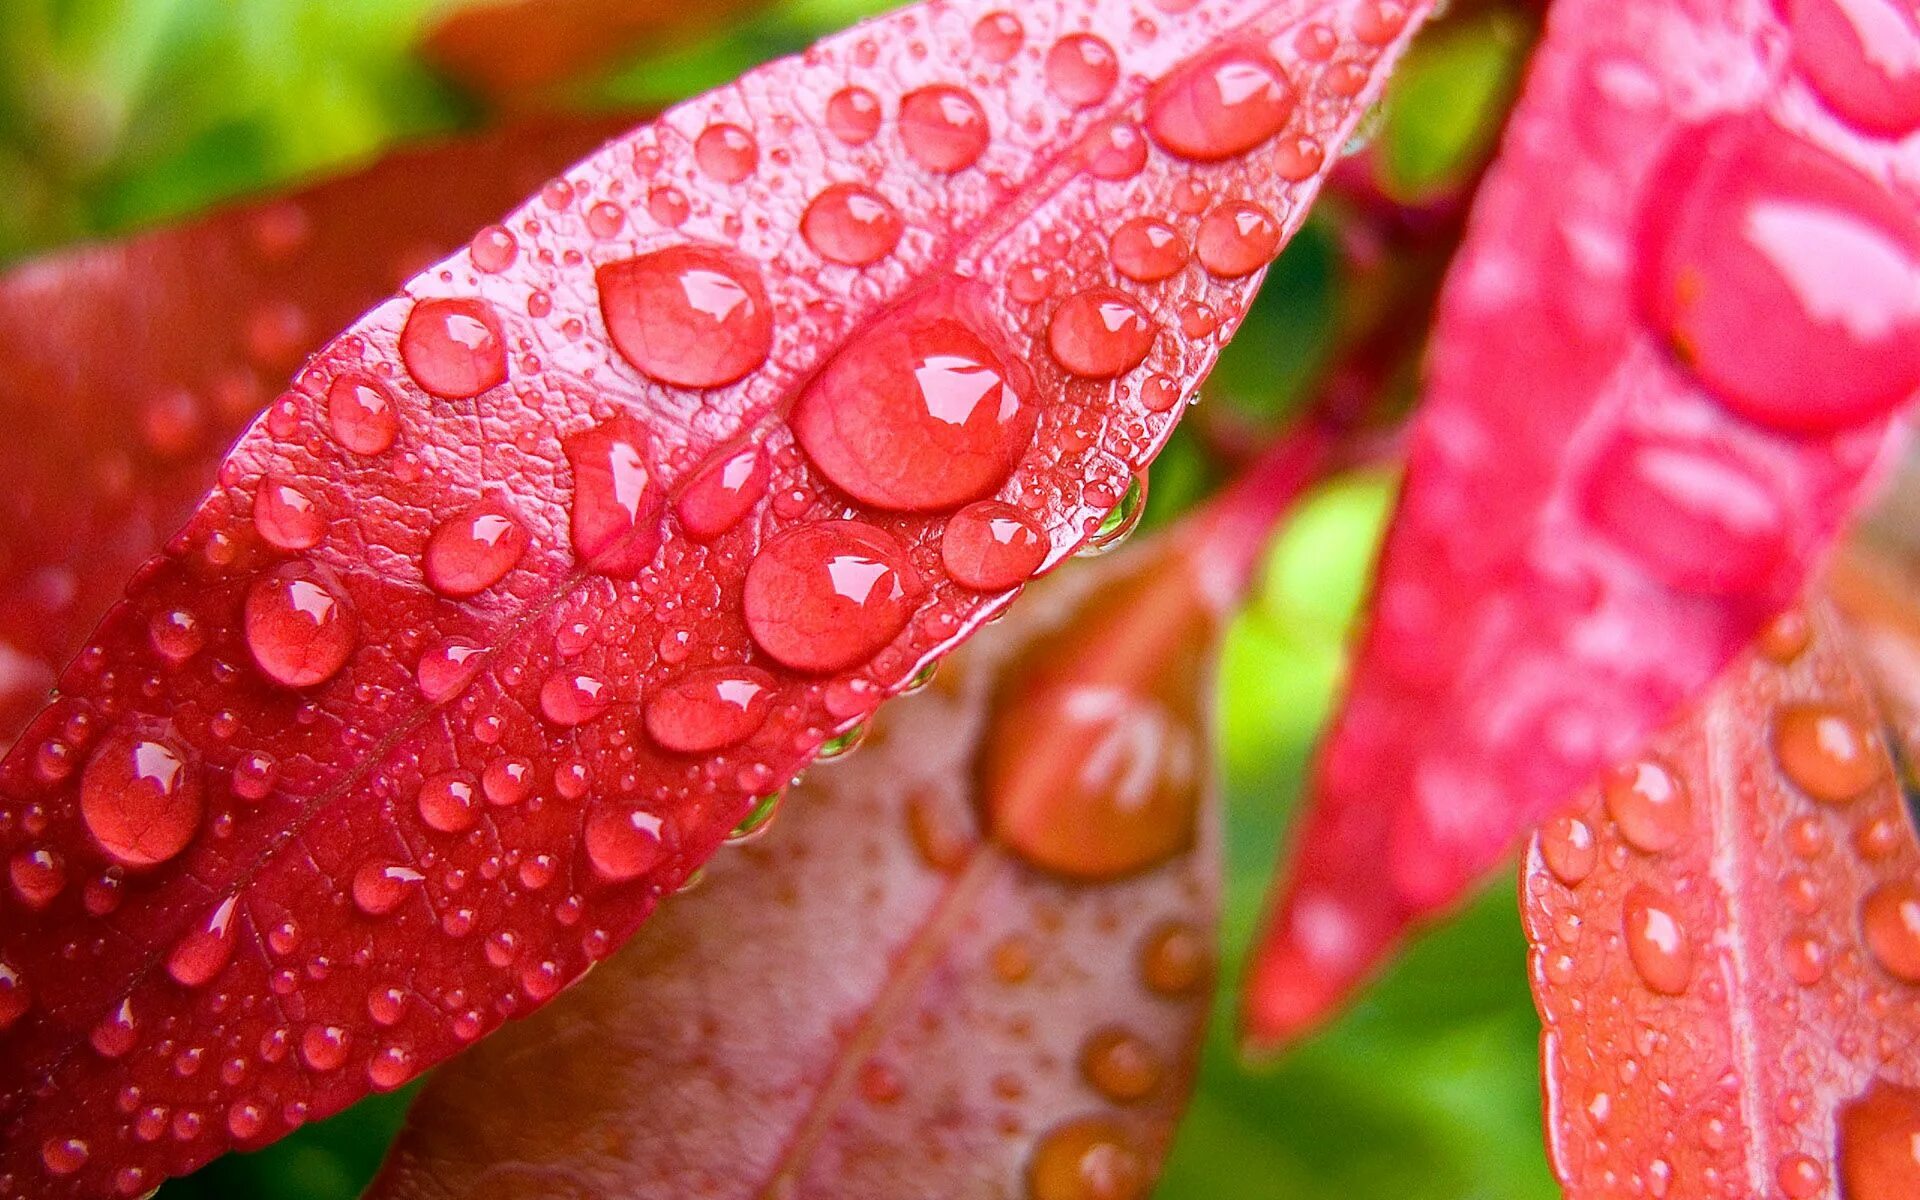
[
  {"x": 409, "y": 784},
  {"x": 1662, "y": 374}
]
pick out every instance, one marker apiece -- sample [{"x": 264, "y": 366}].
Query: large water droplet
[
  {"x": 176, "y": 635},
  {"x": 1092, "y": 1158},
  {"x": 710, "y": 709},
  {"x": 821, "y": 598},
  {"x": 853, "y": 115},
  {"x": 695, "y": 316},
  {"x": 1879, "y": 1151},
  {"x": 1220, "y": 107},
  {"x": 446, "y": 668},
  {"x": 140, "y": 798},
  {"x": 721, "y": 493},
  {"x": 286, "y": 517},
  {"x": 617, "y": 504},
  {"x": 1236, "y": 240},
  {"x": 1828, "y": 752},
  {"x": 1863, "y": 58},
  {"x": 362, "y": 414},
  {"x": 1649, "y": 804},
  {"x": 851, "y": 224},
  {"x": 1147, "y": 250},
  {"x": 1656, "y": 941},
  {"x": 324, "y": 1047},
  {"x": 448, "y": 801},
  {"x": 1890, "y": 917},
  {"x": 470, "y": 553},
  {"x": 1099, "y": 333},
  {"x": 943, "y": 128},
  {"x": 622, "y": 844},
  {"x": 1082, "y": 69},
  {"x": 998, "y": 36},
  {"x": 1785, "y": 278},
  {"x": 1699, "y": 519},
  {"x": 919, "y": 413},
  {"x": 299, "y": 630},
  {"x": 453, "y": 348},
  {"x": 573, "y": 698},
  {"x": 991, "y": 546},
  {"x": 204, "y": 952},
  {"x": 379, "y": 888}
]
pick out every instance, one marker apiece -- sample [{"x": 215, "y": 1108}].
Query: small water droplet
[
  {"x": 507, "y": 781},
  {"x": 853, "y": 115},
  {"x": 573, "y": 697},
  {"x": 15, "y": 997},
  {"x": 1113, "y": 150},
  {"x": 1146, "y": 250},
  {"x": 362, "y": 414},
  {"x": 1800, "y": 1177},
  {"x": 379, "y": 888},
  {"x": 299, "y": 631},
  {"x": 324, "y": 1047},
  {"x": 622, "y": 844},
  {"x": 758, "y": 819},
  {"x": 1082, "y": 69},
  {"x": 692, "y": 315},
  {"x": 493, "y": 249},
  {"x": 1649, "y": 804},
  {"x": 851, "y": 224},
  {"x": 287, "y": 517},
  {"x": 446, "y": 668},
  {"x": 727, "y": 153},
  {"x": 1221, "y": 106},
  {"x": 204, "y": 952},
  {"x": 824, "y": 597},
  {"x": 1120, "y": 522},
  {"x": 447, "y": 801},
  {"x": 998, "y": 36},
  {"x": 63, "y": 1156},
  {"x": 710, "y": 709},
  {"x": 469, "y": 553},
  {"x": 1890, "y": 918},
  {"x": 389, "y": 1068},
  {"x": 454, "y": 348},
  {"x": 140, "y": 798},
  {"x": 38, "y": 877},
  {"x": 990, "y": 547},
  {"x": 1175, "y": 960},
  {"x": 176, "y": 635},
  {"x": 943, "y": 128},
  {"x": 1830, "y": 753},
  {"x": 1236, "y": 240},
  {"x": 617, "y": 502},
  {"x": 1657, "y": 942},
  {"x": 1099, "y": 333},
  {"x": 721, "y": 493},
  {"x": 116, "y": 1033},
  {"x": 1121, "y": 1066}
]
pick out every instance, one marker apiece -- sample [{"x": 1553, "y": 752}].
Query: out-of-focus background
[{"x": 117, "y": 115}]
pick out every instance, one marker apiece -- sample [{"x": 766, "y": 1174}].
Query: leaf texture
[
  {"x": 692, "y": 460},
  {"x": 1649, "y": 408}
]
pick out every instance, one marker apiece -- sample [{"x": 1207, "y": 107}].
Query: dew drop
[
  {"x": 1567, "y": 845},
  {"x": 1092, "y": 1158},
  {"x": 1113, "y": 150},
  {"x": 692, "y": 315},
  {"x": 1082, "y": 69},
  {"x": 493, "y": 250},
  {"x": 721, "y": 493},
  {"x": 920, "y": 413},
  {"x": 998, "y": 37},
  {"x": 1890, "y": 918},
  {"x": 1220, "y": 107},
  {"x": 1800, "y": 1177},
  {"x": 116, "y": 1033},
  {"x": 454, "y": 348},
  {"x": 286, "y": 517},
  {"x": 38, "y": 877},
  {"x": 379, "y": 888},
  {"x": 622, "y": 844},
  {"x": 389, "y": 1068},
  {"x": 617, "y": 502},
  {"x": 727, "y": 153},
  {"x": 1786, "y": 637},
  {"x": 1121, "y": 1066},
  {"x": 1099, "y": 333},
  {"x": 204, "y": 952},
  {"x": 15, "y": 997},
  {"x": 990, "y": 547},
  {"x": 943, "y": 128},
  {"x": 362, "y": 414},
  {"x": 324, "y": 1047},
  {"x": 447, "y": 801},
  {"x": 1863, "y": 59},
  {"x": 710, "y": 709},
  {"x": 1235, "y": 240},
  {"x": 176, "y": 635},
  {"x": 299, "y": 631},
  {"x": 853, "y": 115},
  {"x": 470, "y": 553},
  {"x": 851, "y": 225},
  {"x": 1649, "y": 804},
  {"x": 1175, "y": 960},
  {"x": 1783, "y": 277},
  {"x": 1656, "y": 941},
  {"x": 821, "y": 598},
  {"x": 573, "y": 698},
  {"x": 758, "y": 819},
  {"x": 446, "y": 668},
  {"x": 1879, "y": 1143},
  {"x": 1146, "y": 250},
  {"x": 1828, "y": 752},
  {"x": 140, "y": 798},
  {"x": 63, "y": 1156},
  {"x": 507, "y": 781},
  {"x": 1120, "y": 522}
]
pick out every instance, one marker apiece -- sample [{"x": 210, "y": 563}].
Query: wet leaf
[
  {"x": 1725, "y": 954},
  {"x": 714, "y": 443},
  {"x": 1639, "y": 436}
]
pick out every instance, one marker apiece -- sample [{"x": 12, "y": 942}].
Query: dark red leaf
[
  {"x": 1726, "y": 946},
  {"x": 129, "y": 367},
  {"x": 1665, "y": 365},
  {"x": 973, "y": 959},
  {"x": 403, "y": 753}
]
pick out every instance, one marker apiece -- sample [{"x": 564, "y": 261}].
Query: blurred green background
[{"x": 116, "y": 114}]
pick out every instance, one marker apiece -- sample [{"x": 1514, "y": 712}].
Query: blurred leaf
[{"x": 1447, "y": 104}]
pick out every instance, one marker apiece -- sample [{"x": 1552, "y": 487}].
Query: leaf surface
[
  {"x": 130, "y": 366},
  {"x": 695, "y": 458},
  {"x": 972, "y": 960},
  {"x": 1724, "y": 952},
  {"x": 1657, "y": 387}
]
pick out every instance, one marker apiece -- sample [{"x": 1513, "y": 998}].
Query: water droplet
[
  {"x": 140, "y": 798},
  {"x": 1146, "y": 250},
  {"x": 286, "y": 517},
  {"x": 998, "y": 36},
  {"x": 617, "y": 503},
  {"x": 1236, "y": 240},
  {"x": 1698, "y": 518},
  {"x": 694, "y": 316},
  {"x": 1567, "y": 845},
  {"x": 1649, "y": 804},
  {"x": 38, "y": 877},
  {"x": 990, "y": 547},
  {"x": 204, "y": 952},
  {"x": 821, "y": 598},
  {"x": 1828, "y": 752},
  {"x": 454, "y": 348},
  {"x": 1784, "y": 277},
  {"x": 606, "y": 219},
  {"x": 176, "y": 635},
  {"x": 15, "y": 997},
  {"x": 573, "y": 698},
  {"x": 63, "y": 1156},
  {"x": 389, "y": 1068},
  {"x": 1082, "y": 69},
  {"x": 299, "y": 630},
  {"x": 1120, "y": 522},
  {"x": 710, "y": 709},
  {"x": 446, "y": 668},
  {"x": 853, "y": 115},
  {"x": 470, "y": 553},
  {"x": 1890, "y": 917},
  {"x": 1092, "y": 1158},
  {"x": 1113, "y": 150},
  {"x": 1786, "y": 637},
  {"x": 1121, "y": 1066},
  {"x": 493, "y": 250},
  {"x": 1862, "y": 58},
  {"x": 324, "y": 1047},
  {"x": 116, "y": 1033},
  {"x": 1220, "y": 107},
  {"x": 1656, "y": 941},
  {"x": 851, "y": 224},
  {"x": 721, "y": 493},
  {"x": 622, "y": 844},
  {"x": 1800, "y": 1177},
  {"x": 1099, "y": 333},
  {"x": 507, "y": 781},
  {"x": 943, "y": 128},
  {"x": 379, "y": 888},
  {"x": 919, "y": 413},
  {"x": 758, "y": 819},
  {"x": 727, "y": 153},
  {"x": 1879, "y": 1144},
  {"x": 447, "y": 802},
  {"x": 362, "y": 414}
]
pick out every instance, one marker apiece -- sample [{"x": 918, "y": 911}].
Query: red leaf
[
  {"x": 1665, "y": 364},
  {"x": 1724, "y": 952},
  {"x": 904, "y": 1007},
  {"x": 130, "y": 366},
  {"x": 420, "y": 747}
]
